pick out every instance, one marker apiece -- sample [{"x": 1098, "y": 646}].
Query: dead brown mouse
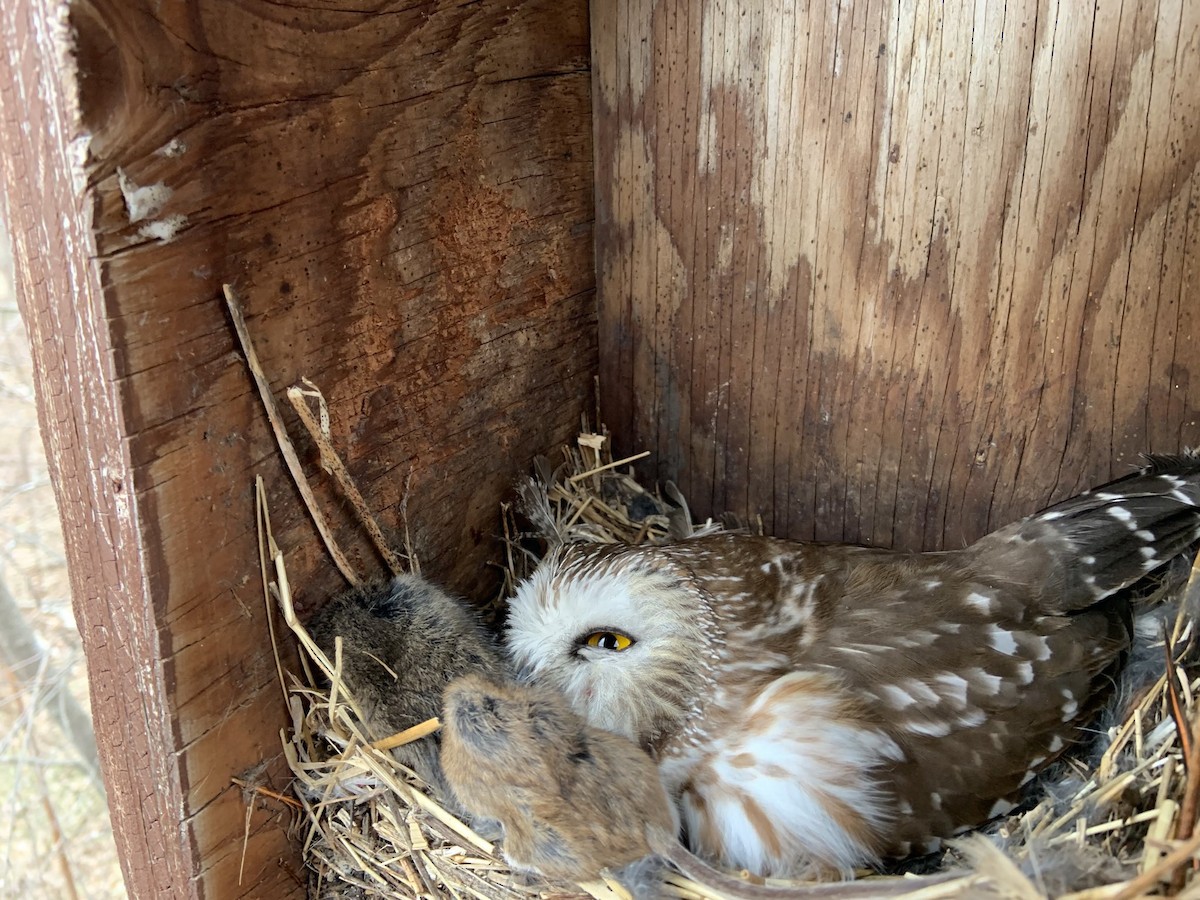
[
  {"x": 403, "y": 641},
  {"x": 574, "y": 800}
]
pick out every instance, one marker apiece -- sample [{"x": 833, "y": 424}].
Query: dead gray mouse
[
  {"x": 574, "y": 800},
  {"x": 403, "y": 641}
]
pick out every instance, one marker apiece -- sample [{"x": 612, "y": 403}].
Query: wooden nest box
[{"x": 891, "y": 274}]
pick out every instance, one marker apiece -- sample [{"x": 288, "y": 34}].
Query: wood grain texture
[
  {"x": 896, "y": 273},
  {"x": 402, "y": 196}
]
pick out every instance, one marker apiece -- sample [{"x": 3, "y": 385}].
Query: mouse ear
[
  {"x": 548, "y": 720},
  {"x": 473, "y": 719},
  {"x": 394, "y": 601}
]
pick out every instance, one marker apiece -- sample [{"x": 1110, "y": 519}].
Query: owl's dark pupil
[{"x": 608, "y": 641}]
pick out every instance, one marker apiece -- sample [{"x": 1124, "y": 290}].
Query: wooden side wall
[
  {"x": 402, "y": 194},
  {"x": 897, "y": 272}
]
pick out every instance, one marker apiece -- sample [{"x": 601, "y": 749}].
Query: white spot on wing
[
  {"x": 981, "y": 602},
  {"x": 987, "y": 683},
  {"x": 971, "y": 719},
  {"x": 932, "y": 729},
  {"x": 1070, "y": 707},
  {"x": 896, "y": 697},
  {"x": 1002, "y": 641},
  {"x": 1121, "y": 514},
  {"x": 920, "y": 690},
  {"x": 952, "y": 687},
  {"x": 1001, "y": 808}
]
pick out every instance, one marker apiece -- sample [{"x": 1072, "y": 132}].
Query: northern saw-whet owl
[{"x": 816, "y": 707}]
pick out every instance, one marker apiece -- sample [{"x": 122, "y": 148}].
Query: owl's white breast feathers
[{"x": 793, "y": 779}]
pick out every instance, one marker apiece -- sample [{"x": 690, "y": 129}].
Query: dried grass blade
[{"x": 263, "y": 527}]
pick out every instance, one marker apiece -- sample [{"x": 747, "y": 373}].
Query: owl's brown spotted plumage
[{"x": 828, "y": 705}]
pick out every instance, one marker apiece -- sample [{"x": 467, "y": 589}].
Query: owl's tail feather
[{"x": 1122, "y": 531}]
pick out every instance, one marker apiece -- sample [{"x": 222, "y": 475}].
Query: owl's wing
[
  {"x": 792, "y": 781},
  {"x": 972, "y": 678}
]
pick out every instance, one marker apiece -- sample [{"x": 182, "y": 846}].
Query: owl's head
[{"x": 628, "y": 636}]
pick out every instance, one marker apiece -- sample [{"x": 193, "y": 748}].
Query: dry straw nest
[{"x": 1113, "y": 821}]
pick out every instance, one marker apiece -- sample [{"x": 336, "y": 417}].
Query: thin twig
[
  {"x": 331, "y": 461},
  {"x": 267, "y": 792},
  {"x": 281, "y": 437},
  {"x": 575, "y": 479}
]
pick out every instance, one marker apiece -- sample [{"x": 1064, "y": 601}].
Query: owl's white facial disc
[{"x": 642, "y": 691}]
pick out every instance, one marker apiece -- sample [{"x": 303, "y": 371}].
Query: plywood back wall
[{"x": 896, "y": 273}]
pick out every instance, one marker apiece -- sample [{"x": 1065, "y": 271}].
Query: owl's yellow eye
[{"x": 608, "y": 640}]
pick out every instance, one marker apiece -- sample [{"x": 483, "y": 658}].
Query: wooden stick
[
  {"x": 281, "y": 437},
  {"x": 332, "y": 463},
  {"x": 575, "y": 479},
  {"x": 408, "y": 735}
]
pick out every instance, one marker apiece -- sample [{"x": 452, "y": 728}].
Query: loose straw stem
[
  {"x": 1174, "y": 859},
  {"x": 575, "y": 479},
  {"x": 262, "y": 519},
  {"x": 1189, "y": 742},
  {"x": 333, "y": 464},
  {"x": 285, "y": 444},
  {"x": 408, "y": 735}
]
